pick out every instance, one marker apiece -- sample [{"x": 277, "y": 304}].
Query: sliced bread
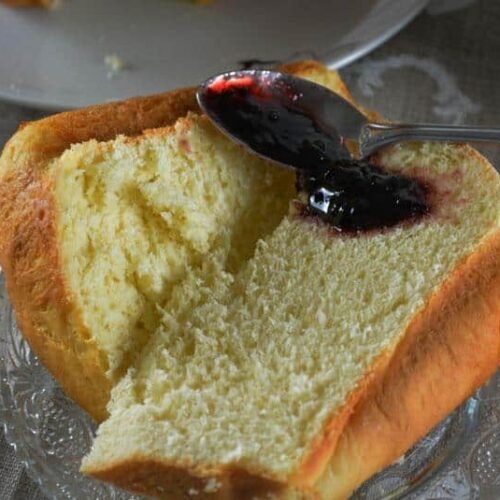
[
  {"x": 101, "y": 218},
  {"x": 373, "y": 337},
  {"x": 253, "y": 354}
]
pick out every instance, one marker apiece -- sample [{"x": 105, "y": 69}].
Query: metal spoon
[{"x": 283, "y": 117}]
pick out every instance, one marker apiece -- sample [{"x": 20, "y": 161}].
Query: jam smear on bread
[
  {"x": 354, "y": 195},
  {"x": 351, "y": 195}
]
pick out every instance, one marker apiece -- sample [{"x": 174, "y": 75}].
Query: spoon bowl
[
  {"x": 303, "y": 125},
  {"x": 277, "y": 116}
]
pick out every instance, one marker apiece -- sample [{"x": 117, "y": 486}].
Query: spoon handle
[{"x": 377, "y": 135}]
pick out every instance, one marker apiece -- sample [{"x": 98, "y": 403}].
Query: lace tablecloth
[{"x": 444, "y": 67}]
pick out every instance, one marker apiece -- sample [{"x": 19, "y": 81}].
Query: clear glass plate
[{"x": 459, "y": 459}]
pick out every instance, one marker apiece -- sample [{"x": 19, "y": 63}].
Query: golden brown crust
[
  {"x": 29, "y": 255},
  {"x": 404, "y": 396},
  {"x": 173, "y": 482},
  {"x": 451, "y": 347},
  {"x": 44, "y": 305},
  {"x": 46, "y": 139},
  {"x": 312, "y": 68}
]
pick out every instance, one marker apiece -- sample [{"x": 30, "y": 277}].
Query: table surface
[{"x": 444, "y": 67}]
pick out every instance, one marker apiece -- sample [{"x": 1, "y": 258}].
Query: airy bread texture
[
  {"x": 263, "y": 354},
  {"x": 135, "y": 214},
  {"x": 31, "y": 251},
  {"x": 262, "y": 376},
  {"x": 98, "y": 229}
]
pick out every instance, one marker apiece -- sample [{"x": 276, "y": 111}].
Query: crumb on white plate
[{"x": 114, "y": 63}]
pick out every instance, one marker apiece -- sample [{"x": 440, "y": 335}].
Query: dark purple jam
[
  {"x": 270, "y": 120},
  {"x": 350, "y": 195},
  {"x": 357, "y": 196}
]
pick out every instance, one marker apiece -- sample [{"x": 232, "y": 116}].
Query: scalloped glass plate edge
[{"x": 50, "y": 433}]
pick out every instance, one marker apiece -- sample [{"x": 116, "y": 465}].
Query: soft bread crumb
[
  {"x": 232, "y": 324},
  {"x": 136, "y": 215},
  {"x": 269, "y": 352}
]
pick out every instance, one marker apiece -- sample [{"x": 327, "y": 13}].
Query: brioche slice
[
  {"x": 128, "y": 217},
  {"x": 100, "y": 220},
  {"x": 280, "y": 358},
  {"x": 374, "y": 336},
  {"x": 249, "y": 395},
  {"x": 31, "y": 248}
]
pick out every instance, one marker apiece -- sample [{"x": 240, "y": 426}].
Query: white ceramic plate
[{"x": 55, "y": 59}]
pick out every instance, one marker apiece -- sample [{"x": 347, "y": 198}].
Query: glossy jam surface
[
  {"x": 270, "y": 120},
  {"x": 357, "y": 196},
  {"x": 349, "y": 195}
]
